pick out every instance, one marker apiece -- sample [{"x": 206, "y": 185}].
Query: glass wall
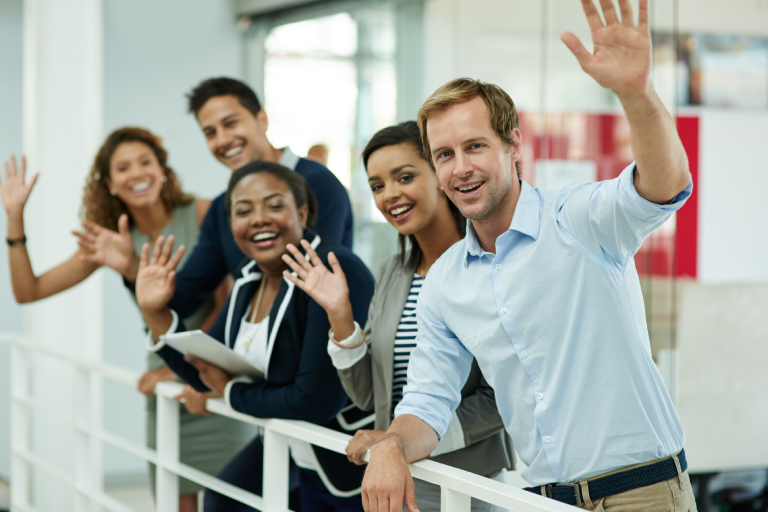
[
  {"x": 329, "y": 79},
  {"x": 335, "y": 74}
]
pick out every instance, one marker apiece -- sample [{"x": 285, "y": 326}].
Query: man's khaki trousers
[{"x": 673, "y": 495}]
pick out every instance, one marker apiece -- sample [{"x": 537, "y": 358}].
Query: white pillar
[
  {"x": 62, "y": 125},
  {"x": 167, "y": 482}
]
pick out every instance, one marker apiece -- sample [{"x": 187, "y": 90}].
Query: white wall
[
  {"x": 154, "y": 54},
  {"x": 733, "y": 239},
  {"x": 10, "y": 142}
]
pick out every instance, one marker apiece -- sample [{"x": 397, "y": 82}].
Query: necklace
[{"x": 253, "y": 332}]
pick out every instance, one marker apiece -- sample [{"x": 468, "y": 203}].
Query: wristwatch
[{"x": 12, "y": 242}]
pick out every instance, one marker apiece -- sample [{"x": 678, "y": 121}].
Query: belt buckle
[{"x": 575, "y": 488}]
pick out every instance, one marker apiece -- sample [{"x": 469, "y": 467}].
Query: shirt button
[
  {"x": 540, "y": 396},
  {"x": 548, "y": 439},
  {"x": 503, "y": 310},
  {"x": 524, "y": 353},
  {"x": 498, "y": 266}
]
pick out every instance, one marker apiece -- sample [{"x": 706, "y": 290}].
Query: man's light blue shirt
[{"x": 556, "y": 322}]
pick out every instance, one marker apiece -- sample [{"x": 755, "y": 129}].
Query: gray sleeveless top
[{"x": 185, "y": 230}]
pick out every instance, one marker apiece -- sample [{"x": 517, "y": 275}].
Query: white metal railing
[{"x": 457, "y": 486}]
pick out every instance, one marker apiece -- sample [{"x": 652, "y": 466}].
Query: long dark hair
[
  {"x": 302, "y": 194},
  {"x": 408, "y": 133}
]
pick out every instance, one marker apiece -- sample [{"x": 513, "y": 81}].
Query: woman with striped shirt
[{"x": 373, "y": 362}]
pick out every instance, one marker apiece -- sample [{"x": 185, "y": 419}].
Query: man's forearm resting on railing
[{"x": 388, "y": 483}]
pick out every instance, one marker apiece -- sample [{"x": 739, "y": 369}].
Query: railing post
[
  {"x": 275, "y": 485},
  {"x": 88, "y": 460},
  {"x": 167, "y": 451},
  {"x": 21, "y": 428},
  {"x": 454, "y": 501}
]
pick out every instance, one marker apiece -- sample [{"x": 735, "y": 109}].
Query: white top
[
  {"x": 301, "y": 451},
  {"x": 257, "y": 352}
]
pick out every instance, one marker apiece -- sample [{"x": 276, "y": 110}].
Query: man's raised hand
[
  {"x": 156, "y": 280},
  {"x": 621, "y": 60}
]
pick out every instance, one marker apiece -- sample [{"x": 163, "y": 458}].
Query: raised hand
[
  {"x": 156, "y": 280},
  {"x": 328, "y": 288},
  {"x": 621, "y": 60},
  {"x": 13, "y": 191},
  {"x": 103, "y": 246}
]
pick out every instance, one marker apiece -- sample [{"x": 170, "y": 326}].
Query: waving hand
[
  {"x": 156, "y": 280},
  {"x": 13, "y": 191},
  {"x": 103, "y": 246},
  {"x": 621, "y": 60},
  {"x": 328, "y": 288}
]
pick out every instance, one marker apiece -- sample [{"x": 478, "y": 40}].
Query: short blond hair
[{"x": 502, "y": 109}]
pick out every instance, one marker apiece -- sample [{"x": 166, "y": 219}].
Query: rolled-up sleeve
[
  {"x": 610, "y": 219},
  {"x": 438, "y": 367}
]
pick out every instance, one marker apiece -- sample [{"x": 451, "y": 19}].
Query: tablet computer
[{"x": 202, "y": 346}]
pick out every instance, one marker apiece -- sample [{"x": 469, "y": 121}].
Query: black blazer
[{"x": 301, "y": 382}]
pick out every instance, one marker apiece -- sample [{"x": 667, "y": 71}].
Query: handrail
[{"x": 457, "y": 486}]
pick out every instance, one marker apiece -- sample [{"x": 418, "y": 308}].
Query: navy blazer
[
  {"x": 301, "y": 381},
  {"x": 216, "y": 253}
]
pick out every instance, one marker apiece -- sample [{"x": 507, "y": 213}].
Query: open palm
[
  {"x": 103, "y": 246},
  {"x": 621, "y": 60},
  {"x": 156, "y": 280},
  {"x": 13, "y": 191},
  {"x": 327, "y": 288}
]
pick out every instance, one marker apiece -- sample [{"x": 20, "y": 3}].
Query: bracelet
[
  {"x": 333, "y": 339},
  {"x": 13, "y": 242}
]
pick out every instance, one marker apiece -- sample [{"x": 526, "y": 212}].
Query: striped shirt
[{"x": 405, "y": 342}]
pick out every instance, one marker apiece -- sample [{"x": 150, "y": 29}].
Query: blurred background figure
[{"x": 319, "y": 153}]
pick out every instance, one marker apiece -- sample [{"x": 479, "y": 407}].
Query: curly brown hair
[{"x": 99, "y": 205}]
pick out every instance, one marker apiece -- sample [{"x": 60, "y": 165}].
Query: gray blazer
[{"x": 368, "y": 383}]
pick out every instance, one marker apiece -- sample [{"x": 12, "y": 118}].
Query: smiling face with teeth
[
  {"x": 265, "y": 220},
  {"x": 474, "y": 165},
  {"x": 405, "y": 188},
  {"x": 136, "y": 175},
  {"x": 234, "y": 135}
]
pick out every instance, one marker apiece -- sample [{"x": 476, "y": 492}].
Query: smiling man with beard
[{"x": 544, "y": 293}]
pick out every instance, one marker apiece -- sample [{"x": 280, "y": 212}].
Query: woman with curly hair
[{"x": 131, "y": 196}]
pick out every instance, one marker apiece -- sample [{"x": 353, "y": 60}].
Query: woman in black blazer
[{"x": 276, "y": 326}]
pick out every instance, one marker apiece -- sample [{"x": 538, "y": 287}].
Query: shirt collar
[
  {"x": 525, "y": 220},
  {"x": 288, "y": 159}
]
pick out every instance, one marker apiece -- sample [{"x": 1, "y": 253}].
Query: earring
[
  {"x": 113, "y": 192},
  {"x": 163, "y": 178}
]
